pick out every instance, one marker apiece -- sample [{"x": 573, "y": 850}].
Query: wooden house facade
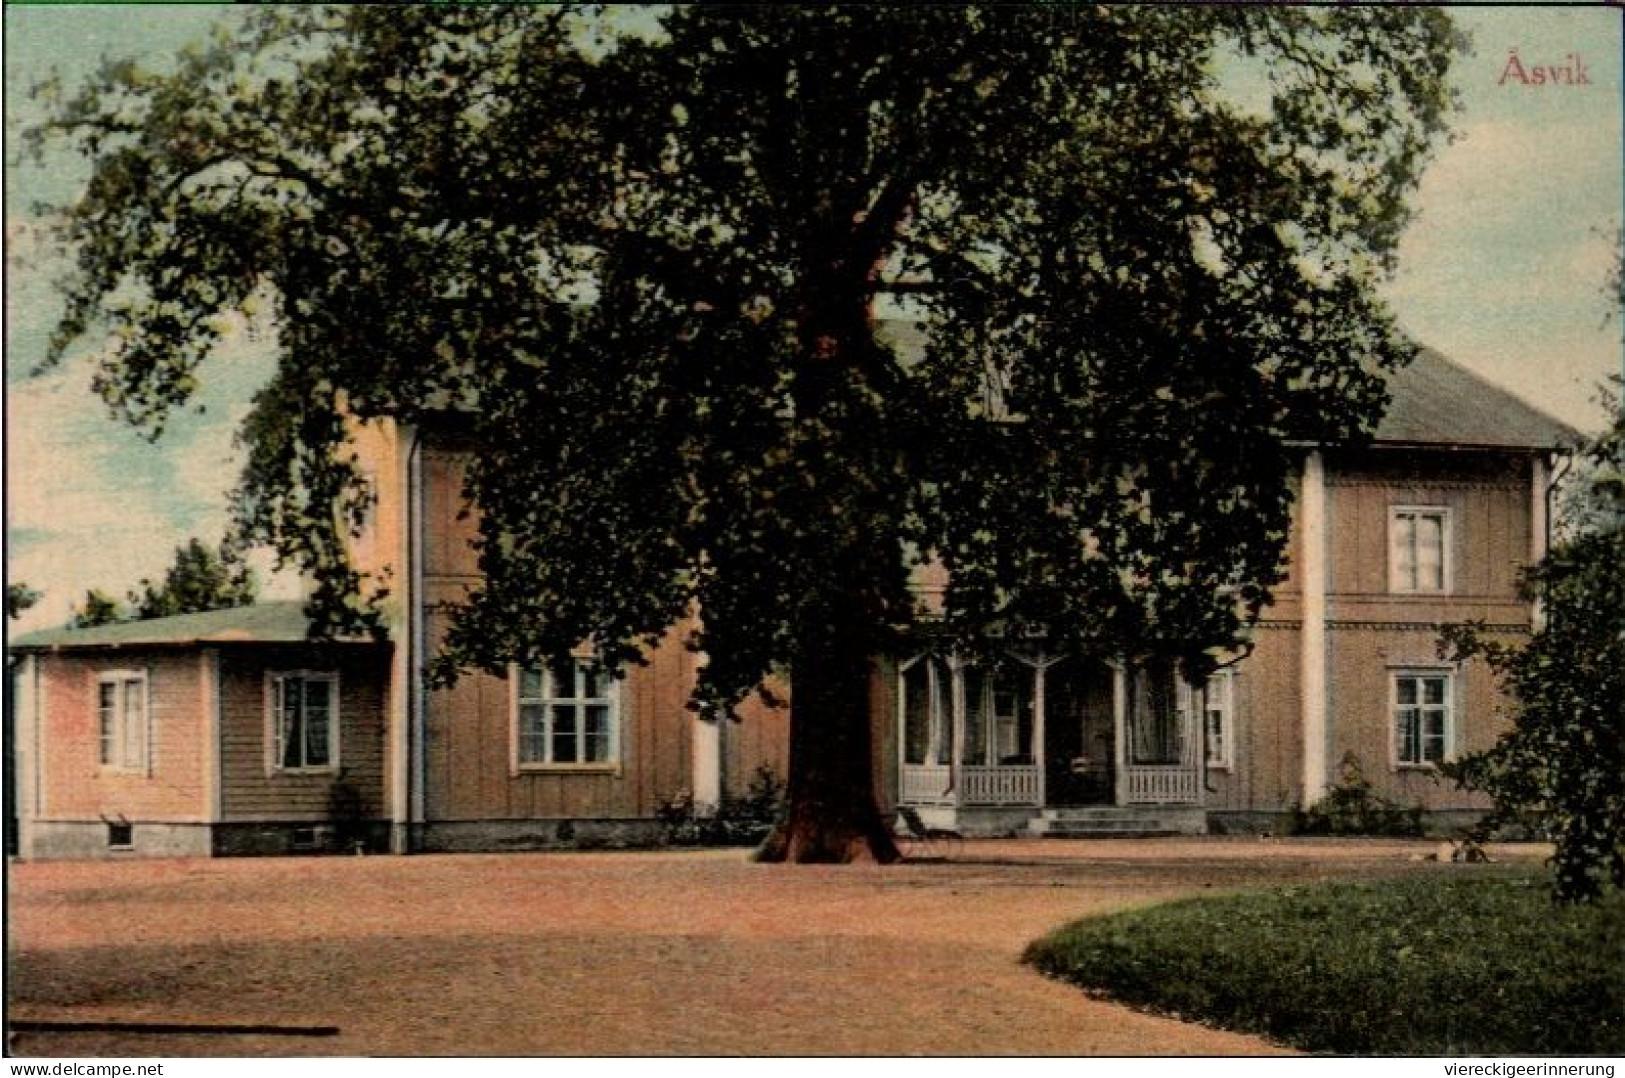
[
  {"x": 199, "y": 735},
  {"x": 1430, "y": 524}
]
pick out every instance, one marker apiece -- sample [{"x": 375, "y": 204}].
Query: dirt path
[{"x": 693, "y": 953}]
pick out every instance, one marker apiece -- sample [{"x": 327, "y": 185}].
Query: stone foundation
[
  {"x": 77, "y": 840},
  {"x": 479, "y": 836}
]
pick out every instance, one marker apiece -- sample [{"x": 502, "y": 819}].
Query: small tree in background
[
  {"x": 98, "y": 608},
  {"x": 200, "y": 578},
  {"x": 19, "y": 597}
]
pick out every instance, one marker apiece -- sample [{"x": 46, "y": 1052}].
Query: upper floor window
[
  {"x": 566, "y": 715},
  {"x": 304, "y": 721},
  {"x": 1424, "y": 721},
  {"x": 1217, "y": 708},
  {"x": 122, "y": 728},
  {"x": 1419, "y": 549}
]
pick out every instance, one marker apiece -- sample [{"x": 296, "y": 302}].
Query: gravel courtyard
[{"x": 640, "y": 953}]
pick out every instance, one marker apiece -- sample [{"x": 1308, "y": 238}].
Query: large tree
[{"x": 643, "y": 254}]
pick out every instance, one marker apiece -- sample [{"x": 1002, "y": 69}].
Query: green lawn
[{"x": 1478, "y": 961}]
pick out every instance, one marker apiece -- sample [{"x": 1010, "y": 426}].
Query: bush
[
  {"x": 1350, "y": 808},
  {"x": 737, "y": 821},
  {"x": 1419, "y": 966}
]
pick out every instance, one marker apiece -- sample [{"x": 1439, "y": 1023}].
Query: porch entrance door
[{"x": 1078, "y": 730}]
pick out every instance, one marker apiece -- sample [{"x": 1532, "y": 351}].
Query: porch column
[
  {"x": 1119, "y": 734},
  {"x": 1038, "y": 721},
  {"x": 1312, "y": 671},
  {"x": 901, "y": 687},
  {"x": 956, "y": 756}
]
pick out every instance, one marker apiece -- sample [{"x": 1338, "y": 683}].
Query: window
[
  {"x": 304, "y": 721},
  {"x": 1218, "y": 715},
  {"x": 565, "y": 716},
  {"x": 1419, "y": 549},
  {"x": 1155, "y": 733},
  {"x": 121, "y": 720},
  {"x": 1423, "y": 721}
]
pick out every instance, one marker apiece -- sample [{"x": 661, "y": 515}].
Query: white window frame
[
  {"x": 274, "y": 679},
  {"x": 611, "y": 685},
  {"x": 1415, "y": 586},
  {"x": 1217, "y": 697},
  {"x": 1448, "y": 708},
  {"x": 119, "y": 746}
]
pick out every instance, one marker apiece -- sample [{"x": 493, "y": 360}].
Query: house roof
[
  {"x": 1438, "y": 402},
  {"x": 262, "y": 623},
  {"x": 1435, "y": 401}
]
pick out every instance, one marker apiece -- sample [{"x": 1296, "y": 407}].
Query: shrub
[
  {"x": 737, "y": 821},
  {"x": 1350, "y": 808}
]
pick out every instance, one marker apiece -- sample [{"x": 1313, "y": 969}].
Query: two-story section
[
  {"x": 559, "y": 754},
  {"x": 1432, "y": 523}
]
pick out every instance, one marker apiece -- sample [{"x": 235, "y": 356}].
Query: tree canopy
[{"x": 644, "y": 257}]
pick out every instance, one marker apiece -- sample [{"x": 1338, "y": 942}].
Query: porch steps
[{"x": 1131, "y": 821}]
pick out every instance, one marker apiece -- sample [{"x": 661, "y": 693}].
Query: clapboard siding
[
  {"x": 76, "y": 787},
  {"x": 759, "y": 737},
  {"x": 1361, "y": 722},
  {"x": 252, "y": 790},
  {"x": 469, "y": 748},
  {"x": 1266, "y": 772}
]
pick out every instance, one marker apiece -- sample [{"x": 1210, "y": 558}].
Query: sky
[{"x": 1502, "y": 269}]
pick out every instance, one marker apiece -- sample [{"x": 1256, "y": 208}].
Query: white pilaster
[
  {"x": 1539, "y": 526},
  {"x": 1312, "y": 672},
  {"x": 406, "y": 666},
  {"x": 209, "y": 710},
  {"x": 705, "y": 760},
  {"x": 28, "y": 760}
]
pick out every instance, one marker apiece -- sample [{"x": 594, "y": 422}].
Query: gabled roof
[
  {"x": 1438, "y": 402},
  {"x": 262, "y": 623},
  {"x": 1435, "y": 401}
]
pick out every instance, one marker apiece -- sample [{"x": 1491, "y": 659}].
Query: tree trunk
[{"x": 833, "y": 815}]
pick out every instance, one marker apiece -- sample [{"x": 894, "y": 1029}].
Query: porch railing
[
  {"x": 1174, "y": 784},
  {"x": 1005, "y": 785},
  {"x": 931, "y": 784},
  {"x": 926, "y": 784}
]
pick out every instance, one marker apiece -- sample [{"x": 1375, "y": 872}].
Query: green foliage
[
  {"x": 1425, "y": 966},
  {"x": 19, "y": 597},
  {"x": 737, "y": 821},
  {"x": 98, "y": 608},
  {"x": 200, "y": 578},
  {"x": 1350, "y": 808},
  {"x": 1561, "y": 768},
  {"x": 644, "y": 268}
]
